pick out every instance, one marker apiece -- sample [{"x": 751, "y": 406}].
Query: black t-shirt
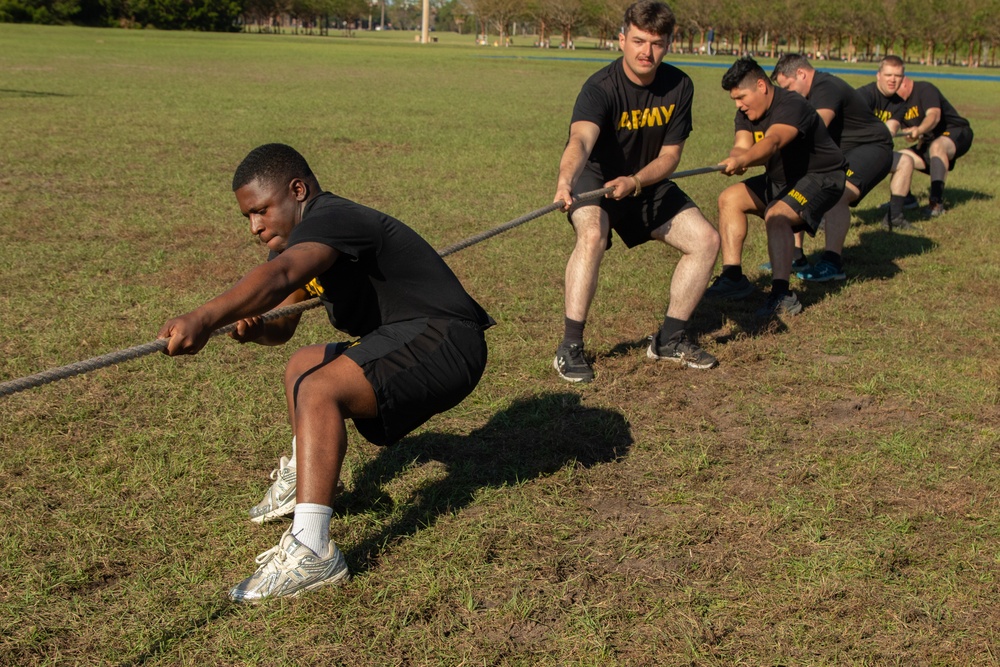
[
  {"x": 386, "y": 272},
  {"x": 812, "y": 151},
  {"x": 853, "y": 122},
  {"x": 923, "y": 97},
  {"x": 883, "y": 107},
  {"x": 636, "y": 121}
]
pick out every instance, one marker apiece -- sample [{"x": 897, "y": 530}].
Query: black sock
[
  {"x": 732, "y": 271},
  {"x": 896, "y": 206},
  {"x": 670, "y": 327},
  {"x": 779, "y": 287},
  {"x": 573, "y": 331},
  {"x": 937, "y": 191},
  {"x": 798, "y": 254},
  {"x": 833, "y": 258}
]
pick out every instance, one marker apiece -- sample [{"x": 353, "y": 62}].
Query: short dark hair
[
  {"x": 271, "y": 163},
  {"x": 650, "y": 16},
  {"x": 788, "y": 64},
  {"x": 892, "y": 61},
  {"x": 743, "y": 74}
]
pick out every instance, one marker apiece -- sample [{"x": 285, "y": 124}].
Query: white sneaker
[
  {"x": 291, "y": 568},
  {"x": 279, "y": 500}
]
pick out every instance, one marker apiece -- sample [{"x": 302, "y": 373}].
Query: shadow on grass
[
  {"x": 874, "y": 258},
  {"x": 535, "y": 436},
  {"x": 13, "y": 92}
]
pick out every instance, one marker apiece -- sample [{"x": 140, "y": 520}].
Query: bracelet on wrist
[{"x": 638, "y": 186}]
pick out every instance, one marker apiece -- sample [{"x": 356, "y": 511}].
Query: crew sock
[
  {"x": 732, "y": 271},
  {"x": 573, "y": 331},
  {"x": 670, "y": 327},
  {"x": 937, "y": 189},
  {"x": 896, "y": 206},
  {"x": 311, "y": 526},
  {"x": 779, "y": 287}
]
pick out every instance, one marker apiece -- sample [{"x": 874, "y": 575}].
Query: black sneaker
[
  {"x": 571, "y": 364},
  {"x": 910, "y": 203},
  {"x": 899, "y": 222},
  {"x": 935, "y": 209},
  {"x": 680, "y": 349},
  {"x": 786, "y": 304},
  {"x": 727, "y": 288}
]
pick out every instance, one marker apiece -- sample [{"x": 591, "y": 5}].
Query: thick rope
[{"x": 112, "y": 358}]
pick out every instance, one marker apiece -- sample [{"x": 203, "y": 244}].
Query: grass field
[{"x": 827, "y": 496}]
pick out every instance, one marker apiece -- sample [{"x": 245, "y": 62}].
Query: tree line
[{"x": 961, "y": 32}]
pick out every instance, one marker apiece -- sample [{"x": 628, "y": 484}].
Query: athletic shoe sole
[
  {"x": 555, "y": 365},
  {"x": 680, "y": 360}
]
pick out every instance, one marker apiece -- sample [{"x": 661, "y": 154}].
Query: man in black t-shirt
[
  {"x": 942, "y": 135},
  {"x": 804, "y": 178},
  {"x": 864, "y": 140},
  {"x": 629, "y": 126},
  {"x": 421, "y": 348},
  {"x": 882, "y": 97}
]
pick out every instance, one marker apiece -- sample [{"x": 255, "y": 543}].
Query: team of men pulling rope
[{"x": 419, "y": 343}]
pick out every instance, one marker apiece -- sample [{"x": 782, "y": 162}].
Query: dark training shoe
[
  {"x": 726, "y": 288},
  {"x": 909, "y": 203},
  {"x": 681, "y": 350},
  {"x": 798, "y": 264},
  {"x": 786, "y": 304},
  {"x": 823, "y": 271},
  {"x": 899, "y": 222},
  {"x": 935, "y": 209},
  {"x": 571, "y": 364}
]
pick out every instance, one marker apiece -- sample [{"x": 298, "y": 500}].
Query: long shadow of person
[{"x": 535, "y": 436}]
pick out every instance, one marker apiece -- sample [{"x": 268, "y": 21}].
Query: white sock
[
  {"x": 291, "y": 461},
  {"x": 311, "y": 526}
]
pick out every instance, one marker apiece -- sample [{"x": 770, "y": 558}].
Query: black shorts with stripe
[
  {"x": 962, "y": 138},
  {"x": 810, "y": 197}
]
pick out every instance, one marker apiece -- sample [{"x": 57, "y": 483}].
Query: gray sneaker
[
  {"x": 291, "y": 568},
  {"x": 680, "y": 349},
  {"x": 786, "y": 304},
  {"x": 571, "y": 365},
  {"x": 726, "y": 288},
  {"x": 935, "y": 209},
  {"x": 279, "y": 500}
]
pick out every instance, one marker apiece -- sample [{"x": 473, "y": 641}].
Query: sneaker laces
[
  {"x": 274, "y": 558},
  {"x": 575, "y": 352}
]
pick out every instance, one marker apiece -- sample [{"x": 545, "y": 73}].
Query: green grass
[{"x": 827, "y": 496}]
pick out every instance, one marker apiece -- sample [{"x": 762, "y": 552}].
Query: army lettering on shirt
[
  {"x": 635, "y": 121},
  {"x": 883, "y": 107},
  {"x": 923, "y": 97}
]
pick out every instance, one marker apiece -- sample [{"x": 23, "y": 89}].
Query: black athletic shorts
[
  {"x": 635, "y": 218},
  {"x": 868, "y": 165},
  {"x": 963, "y": 142},
  {"x": 810, "y": 197},
  {"x": 418, "y": 368}
]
